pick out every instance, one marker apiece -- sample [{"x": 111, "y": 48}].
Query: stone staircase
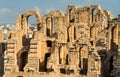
[
  {"x": 11, "y": 57},
  {"x": 33, "y": 60}
]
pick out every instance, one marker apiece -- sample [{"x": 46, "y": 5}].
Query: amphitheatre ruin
[{"x": 82, "y": 42}]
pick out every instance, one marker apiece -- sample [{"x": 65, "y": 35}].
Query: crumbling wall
[{"x": 79, "y": 42}]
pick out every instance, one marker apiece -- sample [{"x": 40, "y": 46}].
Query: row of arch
[
  {"x": 65, "y": 58},
  {"x": 96, "y": 14},
  {"x": 22, "y": 21},
  {"x": 50, "y": 19}
]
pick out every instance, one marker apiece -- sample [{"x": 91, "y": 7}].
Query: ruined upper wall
[
  {"x": 57, "y": 22},
  {"x": 71, "y": 39},
  {"x": 86, "y": 14}
]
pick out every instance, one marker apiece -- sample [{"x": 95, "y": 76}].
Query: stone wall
[{"x": 83, "y": 42}]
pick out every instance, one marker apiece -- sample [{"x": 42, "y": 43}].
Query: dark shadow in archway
[
  {"x": 43, "y": 65},
  {"x": 47, "y": 56},
  {"x": 23, "y": 60}
]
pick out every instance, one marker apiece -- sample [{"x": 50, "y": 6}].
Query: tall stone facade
[{"x": 83, "y": 42}]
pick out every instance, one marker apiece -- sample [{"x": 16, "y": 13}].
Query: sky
[{"x": 10, "y": 9}]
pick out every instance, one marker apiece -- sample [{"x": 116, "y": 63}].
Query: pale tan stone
[{"x": 79, "y": 43}]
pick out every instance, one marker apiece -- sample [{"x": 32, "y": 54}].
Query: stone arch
[
  {"x": 84, "y": 59},
  {"x": 93, "y": 32},
  {"x": 62, "y": 52},
  {"x": 50, "y": 19},
  {"x": 48, "y": 26},
  {"x": 70, "y": 13},
  {"x": 108, "y": 14},
  {"x": 70, "y": 34},
  {"x": 75, "y": 33},
  {"x": 108, "y": 17},
  {"x": 84, "y": 51},
  {"x": 67, "y": 59},
  {"x": 61, "y": 55},
  {"x": 49, "y": 43},
  {"x": 115, "y": 34},
  {"x": 94, "y": 15},
  {"x": 25, "y": 17},
  {"x": 47, "y": 57},
  {"x": 71, "y": 18},
  {"x": 22, "y": 60},
  {"x": 95, "y": 11}
]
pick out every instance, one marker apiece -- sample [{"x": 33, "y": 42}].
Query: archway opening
[
  {"x": 32, "y": 26},
  {"x": 93, "y": 32},
  {"x": 52, "y": 24},
  {"x": 67, "y": 59},
  {"x": 94, "y": 12},
  {"x": 49, "y": 43},
  {"x": 48, "y": 26},
  {"x": 47, "y": 57},
  {"x": 74, "y": 33},
  {"x": 71, "y": 18},
  {"x": 23, "y": 61},
  {"x": 114, "y": 40},
  {"x": 71, "y": 34},
  {"x": 32, "y": 22},
  {"x": 59, "y": 50}
]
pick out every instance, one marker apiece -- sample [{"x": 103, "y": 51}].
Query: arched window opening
[
  {"x": 49, "y": 43},
  {"x": 115, "y": 35},
  {"x": 32, "y": 23},
  {"x": 69, "y": 30},
  {"x": 114, "y": 39},
  {"x": 71, "y": 34},
  {"x": 32, "y": 26},
  {"x": 67, "y": 61},
  {"x": 59, "y": 49},
  {"x": 71, "y": 17},
  {"x": 94, "y": 12},
  {"x": 93, "y": 32},
  {"x": 106, "y": 21},
  {"x": 74, "y": 33},
  {"x": 52, "y": 24},
  {"x": 68, "y": 37},
  {"x": 48, "y": 26}
]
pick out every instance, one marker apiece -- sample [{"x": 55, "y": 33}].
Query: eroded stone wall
[{"x": 82, "y": 42}]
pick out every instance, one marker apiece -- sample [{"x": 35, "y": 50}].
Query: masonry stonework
[{"x": 83, "y": 42}]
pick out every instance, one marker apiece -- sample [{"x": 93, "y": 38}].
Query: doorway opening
[{"x": 23, "y": 61}]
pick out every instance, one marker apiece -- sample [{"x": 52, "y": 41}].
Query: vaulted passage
[
  {"x": 23, "y": 61},
  {"x": 47, "y": 57}
]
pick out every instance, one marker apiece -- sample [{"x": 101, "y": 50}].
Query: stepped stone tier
[{"x": 83, "y": 42}]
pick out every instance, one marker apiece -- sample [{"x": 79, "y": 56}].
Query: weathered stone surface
[{"x": 83, "y": 42}]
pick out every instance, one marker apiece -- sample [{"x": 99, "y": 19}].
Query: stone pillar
[
  {"x": 25, "y": 24},
  {"x": 1, "y": 36}
]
